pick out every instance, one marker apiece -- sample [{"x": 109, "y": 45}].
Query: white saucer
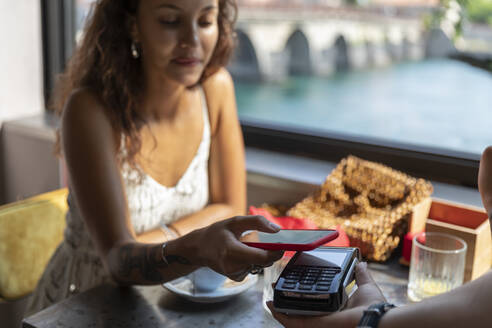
[{"x": 230, "y": 288}]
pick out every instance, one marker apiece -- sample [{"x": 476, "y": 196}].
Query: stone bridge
[{"x": 277, "y": 43}]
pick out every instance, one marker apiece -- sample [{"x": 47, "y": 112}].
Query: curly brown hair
[{"x": 103, "y": 63}]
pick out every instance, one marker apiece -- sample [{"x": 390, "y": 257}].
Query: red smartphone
[{"x": 289, "y": 240}]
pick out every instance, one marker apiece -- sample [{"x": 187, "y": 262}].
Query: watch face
[{"x": 373, "y": 314}]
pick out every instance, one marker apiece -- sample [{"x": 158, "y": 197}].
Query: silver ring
[{"x": 255, "y": 269}]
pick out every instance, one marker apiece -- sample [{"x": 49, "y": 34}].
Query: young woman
[{"x": 153, "y": 149}]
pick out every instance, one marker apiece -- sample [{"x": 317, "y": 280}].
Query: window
[
  {"x": 82, "y": 10},
  {"x": 387, "y": 80},
  {"x": 58, "y": 39}
]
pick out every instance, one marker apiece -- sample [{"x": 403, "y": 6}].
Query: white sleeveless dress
[{"x": 76, "y": 267}]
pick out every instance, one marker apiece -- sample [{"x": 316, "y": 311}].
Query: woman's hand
[
  {"x": 368, "y": 293},
  {"x": 218, "y": 247}
]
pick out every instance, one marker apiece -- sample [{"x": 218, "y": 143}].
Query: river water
[{"x": 438, "y": 103}]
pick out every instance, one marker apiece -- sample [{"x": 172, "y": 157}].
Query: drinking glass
[
  {"x": 270, "y": 276},
  {"x": 437, "y": 264}
]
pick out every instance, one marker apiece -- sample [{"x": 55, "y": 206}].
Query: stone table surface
[{"x": 112, "y": 306}]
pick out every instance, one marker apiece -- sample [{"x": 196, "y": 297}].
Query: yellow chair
[{"x": 30, "y": 231}]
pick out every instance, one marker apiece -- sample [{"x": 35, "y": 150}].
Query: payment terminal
[{"x": 316, "y": 282}]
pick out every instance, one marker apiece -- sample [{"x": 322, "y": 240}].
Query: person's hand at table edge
[{"x": 367, "y": 293}]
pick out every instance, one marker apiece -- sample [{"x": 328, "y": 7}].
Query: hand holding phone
[
  {"x": 289, "y": 240},
  {"x": 318, "y": 282}
]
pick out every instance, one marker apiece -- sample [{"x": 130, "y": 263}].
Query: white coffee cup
[{"x": 207, "y": 280}]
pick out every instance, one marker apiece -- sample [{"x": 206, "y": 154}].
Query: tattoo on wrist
[
  {"x": 177, "y": 259},
  {"x": 169, "y": 259},
  {"x": 145, "y": 262},
  {"x": 141, "y": 261}
]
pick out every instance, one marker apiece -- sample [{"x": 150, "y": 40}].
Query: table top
[{"x": 113, "y": 306}]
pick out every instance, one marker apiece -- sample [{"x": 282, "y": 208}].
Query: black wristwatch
[{"x": 373, "y": 314}]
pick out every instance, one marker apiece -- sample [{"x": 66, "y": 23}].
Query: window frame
[
  {"x": 58, "y": 37},
  {"x": 438, "y": 164}
]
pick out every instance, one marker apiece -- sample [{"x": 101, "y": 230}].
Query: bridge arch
[
  {"x": 393, "y": 50},
  {"x": 244, "y": 63},
  {"x": 299, "y": 54},
  {"x": 341, "y": 51},
  {"x": 406, "y": 45},
  {"x": 370, "y": 53}
]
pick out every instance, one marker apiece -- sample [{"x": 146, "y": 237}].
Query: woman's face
[{"x": 177, "y": 37}]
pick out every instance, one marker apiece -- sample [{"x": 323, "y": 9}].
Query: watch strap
[{"x": 373, "y": 314}]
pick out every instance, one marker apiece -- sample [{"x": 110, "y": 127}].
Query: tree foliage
[{"x": 479, "y": 11}]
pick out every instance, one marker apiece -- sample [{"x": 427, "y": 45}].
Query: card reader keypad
[{"x": 309, "y": 278}]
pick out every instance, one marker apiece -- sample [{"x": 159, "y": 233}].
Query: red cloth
[
  {"x": 407, "y": 245},
  {"x": 288, "y": 222}
]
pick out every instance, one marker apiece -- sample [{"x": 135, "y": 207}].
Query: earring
[{"x": 134, "y": 50}]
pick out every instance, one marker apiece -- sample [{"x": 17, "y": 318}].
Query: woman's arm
[
  {"x": 227, "y": 172},
  {"x": 464, "y": 307},
  {"x": 216, "y": 246},
  {"x": 90, "y": 146}
]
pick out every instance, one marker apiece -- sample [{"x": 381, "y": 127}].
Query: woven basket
[{"x": 371, "y": 202}]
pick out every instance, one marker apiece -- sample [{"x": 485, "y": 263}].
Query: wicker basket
[{"x": 372, "y": 202}]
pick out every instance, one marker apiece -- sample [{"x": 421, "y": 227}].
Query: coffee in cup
[{"x": 207, "y": 280}]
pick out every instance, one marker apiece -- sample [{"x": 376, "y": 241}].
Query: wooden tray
[{"x": 469, "y": 223}]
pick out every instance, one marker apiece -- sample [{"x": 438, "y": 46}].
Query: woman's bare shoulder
[
  {"x": 219, "y": 91},
  {"x": 85, "y": 113},
  {"x": 84, "y": 102},
  {"x": 219, "y": 85}
]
